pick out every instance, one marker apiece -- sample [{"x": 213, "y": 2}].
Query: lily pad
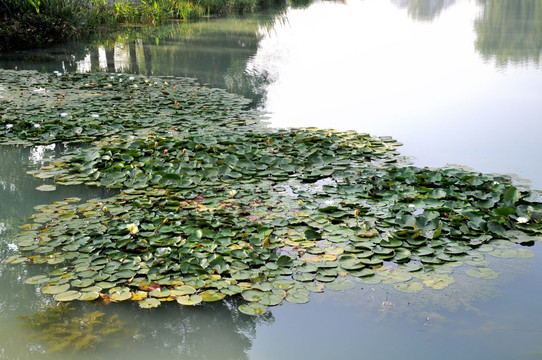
[
  {"x": 253, "y": 309},
  {"x": 46, "y": 188},
  {"x": 185, "y": 290},
  {"x": 482, "y": 273},
  {"x": 55, "y": 289},
  {"x": 149, "y": 303},
  {"x": 38, "y": 279},
  {"x": 212, "y": 202},
  {"x": 410, "y": 287},
  {"x": 121, "y": 295},
  {"x": 340, "y": 285},
  {"x": 68, "y": 296},
  {"x": 89, "y": 295},
  {"x": 253, "y": 295},
  {"x": 189, "y": 300},
  {"x": 212, "y": 295}
]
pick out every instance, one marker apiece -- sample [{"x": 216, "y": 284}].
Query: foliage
[
  {"x": 35, "y": 24},
  {"x": 56, "y": 326},
  {"x": 215, "y": 204},
  {"x": 41, "y": 23}
]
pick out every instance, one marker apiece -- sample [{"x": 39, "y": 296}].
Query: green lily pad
[
  {"x": 121, "y": 295},
  {"x": 212, "y": 295},
  {"x": 340, "y": 285},
  {"x": 55, "y": 289},
  {"x": 297, "y": 298},
  {"x": 436, "y": 281},
  {"x": 189, "y": 300},
  {"x": 253, "y": 309},
  {"x": 212, "y": 201},
  {"x": 38, "y": 279},
  {"x": 185, "y": 290},
  {"x": 89, "y": 295},
  {"x": 482, "y": 273},
  {"x": 271, "y": 299},
  {"x": 314, "y": 287},
  {"x": 68, "y": 295},
  {"x": 82, "y": 283},
  {"x": 253, "y": 295},
  {"x": 160, "y": 293},
  {"x": 46, "y": 188},
  {"x": 284, "y": 284},
  {"x": 411, "y": 287},
  {"x": 149, "y": 303},
  {"x": 106, "y": 284}
]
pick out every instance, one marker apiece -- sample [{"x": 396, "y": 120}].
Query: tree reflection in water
[
  {"x": 423, "y": 10},
  {"x": 510, "y": 31},
  {"x": 214, "y": 52},
  {"x": 210, "y": 331}
]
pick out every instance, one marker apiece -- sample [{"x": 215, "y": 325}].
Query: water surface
[{"x": 456, "y": 82}]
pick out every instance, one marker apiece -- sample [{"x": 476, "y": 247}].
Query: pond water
[{"x": 457, "y": 82}]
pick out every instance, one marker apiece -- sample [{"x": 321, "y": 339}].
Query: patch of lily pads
[{"x": 214, "y": 204}]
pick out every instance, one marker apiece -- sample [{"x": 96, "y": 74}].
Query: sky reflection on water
[
  {"x": 424, "y": 83},
  {"x": 432, "y": 74}
]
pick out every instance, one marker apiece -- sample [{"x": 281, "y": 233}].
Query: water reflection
[
  {"x": 16, "y": 186},
  {"x": 423, "y": 10},
  {"x": 213, "y": 331},
  {"x": 210, "y": 331},
  {"x": 371, "y": 68},
  {"x": 215, "y": 53},
  {"x": 510, "y": 31}
]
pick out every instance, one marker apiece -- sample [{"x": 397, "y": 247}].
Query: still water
[{"x": 457, "y": 82}]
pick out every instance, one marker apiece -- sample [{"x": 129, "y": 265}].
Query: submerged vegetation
[
  {"x": 60, "y": 331},
  {"x": 215, "y": 204}
]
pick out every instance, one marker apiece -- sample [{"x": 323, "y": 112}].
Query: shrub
[{"x": 41, "y": 23}]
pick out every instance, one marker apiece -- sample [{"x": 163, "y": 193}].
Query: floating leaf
[
  {"x": 149, "y": 303},
  {"x": 46, "y": 188},
  {"x": 89, "y": 295},
  {"x": 211, "y": 201},
  {"x": 253, "y": 309},
  {"x": 253, "y": 295},
  {"x": 297, "y": 298},
  {"x": 411, "y": 287},
  {"x": 121, "y": 295},
  {"x": 68, "y": 296},
  {"x": 482, "y": 273},
  {"x": 436, "y": 281},
  {"x": 139, "y": 295},
  {"x": 185, "y": 290},
  {"x": 340, "y": 285},
  {"x": 189, "y": 300},
  {"x": 38, "y": 279},
  {"x": 55, "y": 289},
  {"x": 160, "y": 293},
  {"x": 212, "y": 295}
]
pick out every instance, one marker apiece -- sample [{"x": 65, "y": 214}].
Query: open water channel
[{"x": 457, "y": 82}]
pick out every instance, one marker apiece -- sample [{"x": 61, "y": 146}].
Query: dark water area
[{"x": 455, "y": 81}]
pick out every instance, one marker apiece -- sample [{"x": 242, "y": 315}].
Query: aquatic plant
[
  {"x": 215, "y": 204},
  {"x": 61, "y": 331}
]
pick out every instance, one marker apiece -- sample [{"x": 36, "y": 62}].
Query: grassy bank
[{"x": 41, "y": 23}]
